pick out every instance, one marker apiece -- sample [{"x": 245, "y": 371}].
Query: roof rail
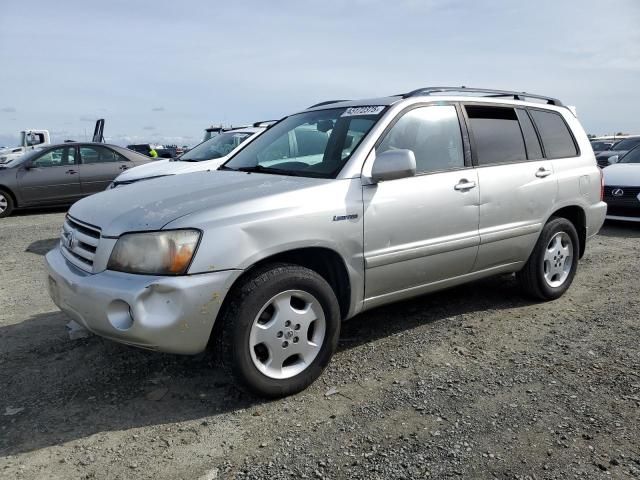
[
  {"x": 486, "y": 91},
  {"x": 328, "y": 102},
  {"x": 265, "y": 123}
]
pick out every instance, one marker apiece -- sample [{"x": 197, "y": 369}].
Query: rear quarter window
[{"x": 556, "y": 137}]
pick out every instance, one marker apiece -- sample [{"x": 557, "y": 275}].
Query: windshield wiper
[
  {"x": 224, "y": 167},
  {"x": 270, "y": 170}
]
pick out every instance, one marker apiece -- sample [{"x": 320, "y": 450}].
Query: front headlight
[{"x": 155, "y": 253}]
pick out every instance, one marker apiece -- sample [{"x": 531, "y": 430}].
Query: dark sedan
[
  {"x": 620, "y": 148},
  {"x": 62, "y": 174}
]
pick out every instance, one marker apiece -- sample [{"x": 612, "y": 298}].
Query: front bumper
[{"x": 169, "y": 314}]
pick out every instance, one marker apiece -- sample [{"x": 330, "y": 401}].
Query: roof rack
[
  {"x": 264, "y": 123},
  {"x": 327, "y": 102},
  {"x": 486, "y": 91}
]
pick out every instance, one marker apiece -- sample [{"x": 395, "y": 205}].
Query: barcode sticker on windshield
[{"x": 368, "y": 110}]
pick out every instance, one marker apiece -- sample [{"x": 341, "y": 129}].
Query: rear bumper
[
  {"x": 169, "y": 314},
  {"x": 595, "y": 218}
]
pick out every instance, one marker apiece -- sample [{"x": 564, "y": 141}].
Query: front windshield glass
[
  {"x": 627, "y": 144},
  {"x": 632, "y": 157},
  {"x": 309, "y": 144},
  {"x": 216, "y": 147},
  {"x": 600, "y": 146},
  {"x": 22, "y": 158}
]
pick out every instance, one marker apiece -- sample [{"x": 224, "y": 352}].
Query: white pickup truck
[{"x": 29, "y": 140}]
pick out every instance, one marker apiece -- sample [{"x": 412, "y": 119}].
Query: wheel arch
[
  {"x": 326, "y": 262},
  {"x": 577, "y": 216},
  {"x": 13, "y": 196}
]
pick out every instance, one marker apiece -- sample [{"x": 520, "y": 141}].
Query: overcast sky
[{"x": 164, "y": 70}]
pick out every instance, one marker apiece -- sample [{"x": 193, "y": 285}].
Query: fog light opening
[{"x": 120, "y": 315}]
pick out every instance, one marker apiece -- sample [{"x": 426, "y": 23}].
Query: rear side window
[
  {"x": 496, "y": 134},
  {"x": 556, "y": 138},
  {"x": 534, "y": 152}
]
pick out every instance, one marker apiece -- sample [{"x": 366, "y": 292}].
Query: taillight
[{"x": 601, "y": 185}]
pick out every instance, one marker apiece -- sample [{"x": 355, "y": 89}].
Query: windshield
[
  {"x": 600, "y": 146},
  {"x": 22, "y": 158},
  {"x": 632, "y": 157},
  {"x": 627, "y": 144},
  {"x": 216, "y": 147},
  {"x": 310, "y": 144}
]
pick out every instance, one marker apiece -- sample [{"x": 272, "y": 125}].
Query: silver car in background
[{"x": 333, "y": 211}]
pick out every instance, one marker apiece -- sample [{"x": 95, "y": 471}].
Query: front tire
[
  {"x": 279, "y": 330},
  {"x": 6, "y": 204},
  {"x": 552, "y": 265}
]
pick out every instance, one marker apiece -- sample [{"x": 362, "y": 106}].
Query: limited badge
[{"x": 366, "y": 110}]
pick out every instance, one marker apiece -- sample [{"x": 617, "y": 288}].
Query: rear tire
[
  {"x": 279, "y": 330},
  {"x": 6, "y": 204},
  {"x": 553, "y": 263}
]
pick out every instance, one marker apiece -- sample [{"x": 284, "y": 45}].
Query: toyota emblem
[
  {"x": 69, "y": 240},
  {"x": 617, "y": 192}
]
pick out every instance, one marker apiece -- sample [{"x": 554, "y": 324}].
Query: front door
[
  {"x": 52, "y": 177},
  {"x": 99, "y": 166},
  {"x": 423, "y": 229}
]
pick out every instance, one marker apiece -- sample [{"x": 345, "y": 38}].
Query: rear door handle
[
  {"x": 71, "y": 172},
  {"x": 465, "y": 184},
  {"x": 543, "y": 172}
]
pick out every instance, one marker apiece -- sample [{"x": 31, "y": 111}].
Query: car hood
[
  {"x": 622, "y": 175},
  {"x": 153, "y": 204},
  {"x": 160, "y": 168}
]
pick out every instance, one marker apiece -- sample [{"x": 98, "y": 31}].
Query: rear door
[
  {"x": 52, "y": 177},
  {"x": 99, "y": 165},
  {"x": 518, "y": 187}
]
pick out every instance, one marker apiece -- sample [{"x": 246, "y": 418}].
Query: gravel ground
[{"x": 473, "y": 382}]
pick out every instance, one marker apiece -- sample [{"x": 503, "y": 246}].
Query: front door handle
[
  {"x": 123, "y": 167},
  {"x": 543, "y": 172},
  {"x": 71, "y": 172},
  {"x": 465, "y": 184}
]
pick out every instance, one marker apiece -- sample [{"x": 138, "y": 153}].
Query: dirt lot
[{"x": 474, "y": 382}]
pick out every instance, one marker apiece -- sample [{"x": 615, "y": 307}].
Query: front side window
[
  {"x": 311, "y": 144},
  {"x": 496, "y": 134},
  {"x": 56, "y": 157},
  {"x": 432, "y": 134},
  {"x": 91, "y": 155},
  {"x": 216, "y": 147},
  {"x": 556, "y": 138}
]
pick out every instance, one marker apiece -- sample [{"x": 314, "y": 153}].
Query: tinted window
[
  {"x": 626, "y": 144},
  {"x": 531, "y": 141},
  {"x": 497, "y": 134},
  {"x": 56, "y": 157},
  {"x": 99, "y": 155},
  {"x": 555, "y": 134},
  {"x": 432, "y": 133},
  {"x": 632, "y": 157}
]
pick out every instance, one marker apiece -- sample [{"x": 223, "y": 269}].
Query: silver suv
[{"x": 332, "y": 211}]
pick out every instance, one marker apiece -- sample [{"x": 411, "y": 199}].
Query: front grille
[
  {"x": 79, "y": 242},
  {"x": 617, "y": 211},
  {"x": 627, "y": 192}
]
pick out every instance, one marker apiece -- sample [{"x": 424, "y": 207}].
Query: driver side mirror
[
  {"x": 392, "y": 165},
  {"x": 613, "y": 159}
]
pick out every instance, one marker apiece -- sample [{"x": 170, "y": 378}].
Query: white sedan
[
  {"x": 622, "y": 187},
  {"x": 208, "y": 155}
]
